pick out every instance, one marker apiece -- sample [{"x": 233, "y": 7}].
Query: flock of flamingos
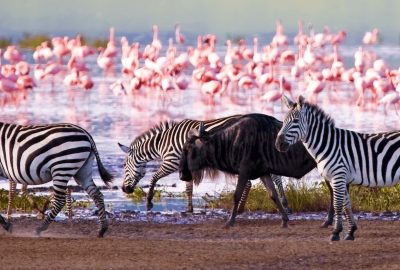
[{"x": 272, "y": 68}]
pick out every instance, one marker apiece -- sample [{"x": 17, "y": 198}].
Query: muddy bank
[{"x": 251, "y": 244}]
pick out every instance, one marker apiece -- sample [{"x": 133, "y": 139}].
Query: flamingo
[
  {"x": 214, "y": 88},
  {"x": 179, "y": 38}
]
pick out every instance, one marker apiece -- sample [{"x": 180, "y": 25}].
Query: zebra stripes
[
  {"x": 342, "y": 156},
  {"x": 36, "y": 155},
  {"x": 165, "y": 141}
]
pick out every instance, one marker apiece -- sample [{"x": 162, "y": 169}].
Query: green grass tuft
[
  {"x": 5, "y": 42},
  {"x": 315, "y": 198}
]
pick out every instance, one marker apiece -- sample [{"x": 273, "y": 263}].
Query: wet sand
[{"x": 251, "y": 244}]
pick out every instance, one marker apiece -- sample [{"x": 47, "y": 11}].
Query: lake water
[{"x": 111, "y": 119}]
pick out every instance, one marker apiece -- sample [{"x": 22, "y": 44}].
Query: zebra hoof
[
  {"x": 102, "y": 232},
  {"x": 228, "y": 225},
  {"x": 284, "y": 224},
  {"x": 335, "y": 237},
  {"x": 42, "y": 228},
  {"x": 349, "y": 237}
]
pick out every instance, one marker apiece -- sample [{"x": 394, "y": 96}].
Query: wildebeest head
[
  {"x": 134, "y": 169},
  {"x": 192, "y": 158},
  {"x": 294, "y": 126}
]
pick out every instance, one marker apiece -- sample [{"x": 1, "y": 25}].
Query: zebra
[
  {"x": 24, "y": 193},
  {"x": 165, "y": 141},
  {"x": 343, "y": 156},
  {"x": 35, "y": 155}
]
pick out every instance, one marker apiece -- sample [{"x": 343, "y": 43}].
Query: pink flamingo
[
  {"x": 179, "y": 38},
  {"x": 214, "y": 88},
  {"x": 371, "y": 38},
  {"x": 12, "y": 55},
  {"x": 104, "y": 62},
  {"x": 273, "y": 95},
  {"x": 85, "y": 81},
  {"x": 111, "y": 49}
]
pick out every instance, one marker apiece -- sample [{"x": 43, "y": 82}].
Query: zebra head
[
  {"x": 294, "y": 125},
  {"x": 134, "y": 170}
]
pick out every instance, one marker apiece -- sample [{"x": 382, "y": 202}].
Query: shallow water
[{"x": 111, "y": 119}]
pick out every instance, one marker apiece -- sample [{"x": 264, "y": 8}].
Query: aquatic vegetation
[
  {"x": 29, "y": 41},
  {"x": 139, "y": 195},
  {"x": 5, "y": 42},
  {"x": 21, "y": 203},
  {"x": 98, "y": 42},
  {"x": 305, "y": 198}
]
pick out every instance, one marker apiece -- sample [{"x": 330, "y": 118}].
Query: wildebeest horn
[{"x": 287, "y": 101}]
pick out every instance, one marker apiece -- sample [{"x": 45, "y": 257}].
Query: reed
[
  {"x": 315, "y": 198},
  {"x": 138, "y": 195},
  {"x": 29, "y": 41},
  {"x": 5, "y": 42}
]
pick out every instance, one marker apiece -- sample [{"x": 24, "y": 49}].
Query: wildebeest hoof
[
  {"x": 8, "y": 227},
  {"x": 335, "y": 237},
  {"x": 349, "y": 237},
  {"x": 149, "y": 206},
  {"x": 228, "y": 225},
  {"x": 284, "y": 225}
]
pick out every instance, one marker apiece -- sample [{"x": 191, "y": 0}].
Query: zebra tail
[{"x": 104, "y": 174}]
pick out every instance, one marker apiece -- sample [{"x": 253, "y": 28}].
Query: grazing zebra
[
  {"x": 343, "y": 156},
  {"x": 165, "y": 141},
  {"x": 35, "y": 155},
  {"x": 24, "y": 193}
]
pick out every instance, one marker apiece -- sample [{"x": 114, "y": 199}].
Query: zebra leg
[
  {"x": 98, "y": 198},
  {"x": 11, "y": 197},
  {"x": 236, "y": 198},
  {"x": 85, "y": 180},
  {"x": 189, "y": 195},
  {"x": 69, "y": 202},
  {"x": 352, "y": 226},
  {"x": 331, "y": 211},
  {"x": 244, "y": 197},
  {"x": 274, "y": 196},
  {"x": 339, "y": 195},
  {"x": 59, "y": 185},
  {"x": 164, "y": 170},
  {"x": 277, "y": 179}
]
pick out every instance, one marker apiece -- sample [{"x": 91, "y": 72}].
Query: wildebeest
[{"x": 245, "y": 147}]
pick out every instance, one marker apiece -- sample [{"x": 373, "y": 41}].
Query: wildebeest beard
[{"x": 211, "y": 173}]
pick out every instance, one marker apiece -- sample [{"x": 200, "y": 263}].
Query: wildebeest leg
[
  {"x": 242, "y": 180},
  {"x": 163, "y": 171},
  {"x": 277, "y": 179},
  {"x": 244, "y": 197},
  {"x": 6, "y": 225},
  {"x": 274, "y": 196},
  {"x": 11, "y": 197}
]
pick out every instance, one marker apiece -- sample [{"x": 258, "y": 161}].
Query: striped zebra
[
  {"x": 165, "y": 142},
  {"x": 343, "y": 156},
  {"x": 35, "y": 155},
  {"x": 24, "y": 193}
]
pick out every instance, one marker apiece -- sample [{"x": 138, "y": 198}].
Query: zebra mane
[
  {"x": 316, "y": 110},
  {"x": 160, "y": 127}
]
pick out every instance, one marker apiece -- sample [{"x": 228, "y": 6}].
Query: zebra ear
[
  {"x": 301, "y": 100},
  {"x": 124, "y": 148},
  {"x": 287, "y": 102}
]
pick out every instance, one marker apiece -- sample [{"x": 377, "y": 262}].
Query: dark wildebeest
[{"x": 245, "y": 147}]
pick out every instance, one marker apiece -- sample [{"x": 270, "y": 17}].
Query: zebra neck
[{"x": 320, "y": 137}]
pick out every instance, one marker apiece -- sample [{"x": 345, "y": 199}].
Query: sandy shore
[{"x": 251, "y": 244}]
